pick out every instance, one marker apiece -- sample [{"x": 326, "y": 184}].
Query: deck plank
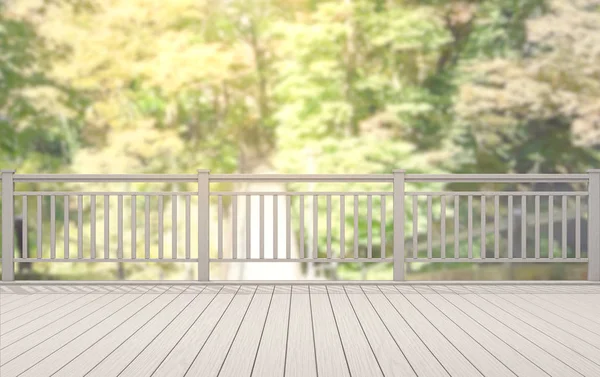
[
  {"x": 300, "y": 361},
  {"x": 33, "y": 315},
  {"x": 361, "y": 360},
  {"x": 417, "y": 353},
  {"x": 122, "y": 355},
  {"x": 271, "y": 354},
  {"x": 331, "y": 359},
  {"x": 83, "y": 360},
  {"x": 150, "y": 359},
  {"x": 531, "y": 344}
]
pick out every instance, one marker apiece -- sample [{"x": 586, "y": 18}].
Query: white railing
[{"x": 283, "y": 226}]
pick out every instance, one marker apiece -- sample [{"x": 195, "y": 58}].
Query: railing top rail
[{"x": 359, "y": 178}]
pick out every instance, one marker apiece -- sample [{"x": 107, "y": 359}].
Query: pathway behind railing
[{"x": 283, "y": 226}]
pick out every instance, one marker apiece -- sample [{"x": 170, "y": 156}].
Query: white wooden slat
[
  {"x": 106, "y": 215},
  {"x": 382, "y": 227},
  {"x": 415, "y": 226},
  {"x": 315, "y": 234},
  {"x": 147, "y": 226},
  {"x": 470, "y": 226},
  {"x": 429, "y": 227},
  {"x": 220, "y": 228},
  {"x": 360, "y": 358},
  {"x": 39, "y": 226},
  {"x": 497, "y": 227},
  {"x": 550, "y": 226},
  {"x": 564, "y": 226},
  {"x": 369, "y": 226},
  {"x": 482, "y": 230},
  {"x": 342, "y": 226},
  {"x": 272, "y": 351},
  {"x": 510, "y": 227},
  {"x": 261, "y": 231},
  {"x": 537, "y": 226},
  {"x": 161, "y": 230},
  {"x": 288, "y": 227},
  {"x": 210, "y": 358},
  {"x": 24, "y": 231},
  {"x": 328, "y": 226},
  {"x": 523, "y": 227},
  {"x": 330, "y": 357},
  {"x": 248, "y": 232},
  {"x": 188, "y": 229},
  {"x": 174, "y": 203},
  {"x": 79, "y": 226},
  {"x": 392, "y": 360},
  {"x": 301, "y": 220},
  {"x": 52, "y": 227},
  {"x": 577, "y": 227},
  {"x": 234, "y": 237},
  {"x": 92, "y": 226},
  {"x": 355, "y": 226},
  {"x": 133, "y": 227},
  {"x": 456, "y": 227},
  {"x": 300, "y": 360},
  {"x": 275, "y": 230},
  {"x": 443, "y": 227},
  {"x": 241, "y": 355},
  {"x": 120, "y": 227},
  {"x": 446, "y": 346}
]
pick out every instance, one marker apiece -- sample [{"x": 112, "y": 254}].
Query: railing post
[
  {"x": 594, "y": 224},
  {"x": 203, "y": 224},
  {"x": 8, "y": 221},
  {"x": 399, "y": 224}
]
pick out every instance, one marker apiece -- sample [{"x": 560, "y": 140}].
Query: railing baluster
[
  {"x": 234, "y": 238},
  {"x": 510, "y": 227},
  {"x": 79, "y": 226},
  {"x": 382, "y": 229},
  {"x": 120, "y": 226},
  {"x": 275, "y": 228},
  {"x": 248, "y": 232},
  {"x": 174, "y": 199},
  {"x": 220, "y": 228},
  {"x": 523, "y": 227},
  {"x": 301, "y": 251},
  {"x": 315, "y": 227},
  {"x": 456, "y": 227},
  {"x": 578, "y": 227},
  {"x": 147, "y": 226},
  {"x": 52, "y": 227},
  {"x": 369, "y": 226},
  {"x": 160, "y": 227},
  {"x": 415, "y": 226},
  {"x": 342, "y": 226},
  {"x": 92, "y": 226},
  {"x": 328, "y": 226},
  {"x": 482, "y": 230},
  {"x": 429, "y": 227},
  {"x": 470, "y": 226},
  {"x": 288, "y": 227},
  {"x": 443, "y": 227},
  {"x": 133, "y": 227},
  {"x": 564, "y": 227},
  {"x": 355, "y": 226},
  {"x": 39, "y": 226},
  {"x": 24, "y": 230},
  {"x": 537, "y": 227},
  {"x": 262, "y": 227},
  {"x": 550, "y": 226},
  {"x": 188, "y": 232},
  {"x": 106, "y": 215},
  {"x": 496, "y": 227}
]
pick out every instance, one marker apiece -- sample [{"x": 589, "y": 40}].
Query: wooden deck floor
[{"x": 304, "y": 331}]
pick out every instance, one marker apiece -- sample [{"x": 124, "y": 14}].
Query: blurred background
[{"x": 298, "y": 86}]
